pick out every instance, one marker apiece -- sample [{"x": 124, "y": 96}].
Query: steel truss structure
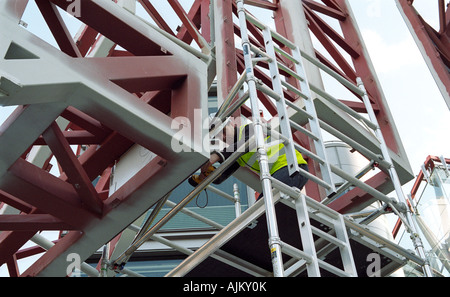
[
  {"x": 433, "y": 43},
  {"x": 123, "y": 82}
]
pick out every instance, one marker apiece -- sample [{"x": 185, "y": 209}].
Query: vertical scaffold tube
[
  {"x": 417, "y": 241},
  {"x": 274, "y": 238}
]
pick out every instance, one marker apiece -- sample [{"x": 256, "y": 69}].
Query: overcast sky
[{"x": 419, "y": 110}]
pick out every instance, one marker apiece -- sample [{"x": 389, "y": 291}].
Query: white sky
[
  {"x": 419, "y": 110},
  {"x": 420, "y": 113}
]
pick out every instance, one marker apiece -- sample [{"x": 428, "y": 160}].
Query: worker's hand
[{"x": 206, "y": 170}]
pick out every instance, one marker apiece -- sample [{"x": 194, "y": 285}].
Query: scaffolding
[
  {"x": 117, "y": 102},
  {"x": 335, "y": 230}
]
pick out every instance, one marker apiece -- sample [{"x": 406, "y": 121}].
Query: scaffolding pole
[
  {"x": 410, "y": 226},
  {"x": 274, "y": 238}
]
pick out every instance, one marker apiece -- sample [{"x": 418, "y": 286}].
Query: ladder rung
[
  {"x": 290, "y": 71},
  {"x": 275, "y": 35},
  {"x": 263, "y": 59},
  {"x": 342, "y": 106},
  {"x": 333, "y": 269},
  {"x": 294, "y": 89},
  {"x": 290, "y": 191},
  {"x": 295, "y": 252},
  {"x": 260, "y": 52},
  {"x": 268, "y": 91},
  {"x": 277, "y": 134},
  {"x": 301, "y": 110},
  {"x": 282, "y": 187},
  {"x": 333, "y": 73},
  {"x": 328, "y": 237},
  {"x": 299, "y": 147},
  {"x": 285, "y": 54},
  {"x": 310, "y": 154},
  {"x": 325, "y": 210},
  {"x": 275, "y": 142},
  {"x": 303, "y": 130}
]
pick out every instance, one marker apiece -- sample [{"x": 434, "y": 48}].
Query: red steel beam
[
  {"x": 263, "y": 4},
  {"x": 63, "y": 244},
  {"x": 11, "y": 242},
  {"x": 366, "y": 73},
  {"x": 13, "y": 268},
  {"x": 74, "y": 137},
  {"x": 436, "y": 45},
  {"x": 333, "y": 4},
  {"x": 227, "y": 65},
  {"x": 205, "y": 20},
  {"x": 331, "y": 11},
  {"x": 190, "y": 22},
  {"x": 154, "y": 14},
  {"x": 58, "y": 28},
  {"x": 330, "y": 32},
  {"x": 96, "y": 159},
  {"x": 318, "y": 31},
  {"x": 86, "y": 39},
  {"x": 15, "y": 202},
  {"x": 86, "y": 122},
  {"x": 32, "y": 222},
  {"x": 31, "y": 251},
  {"x": 61, "y": 149},
  {"x": 121, "y": 33},
  {"x": 46, "y": 192}
]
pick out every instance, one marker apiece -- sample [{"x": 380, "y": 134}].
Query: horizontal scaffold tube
[{"x": 208, "y": 180}]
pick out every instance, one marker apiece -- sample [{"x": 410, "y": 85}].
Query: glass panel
[
  {"x": 434, "y": 220},
  {"x": 433, "y": 206},
  {"x": 207, "y": 204},
  {"x": 153, "y": 268}
]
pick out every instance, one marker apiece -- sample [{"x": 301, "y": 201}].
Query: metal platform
[{"x": 240, "y": 250}]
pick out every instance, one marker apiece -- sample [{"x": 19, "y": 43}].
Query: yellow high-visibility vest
[{"x": 275, "y": 154}]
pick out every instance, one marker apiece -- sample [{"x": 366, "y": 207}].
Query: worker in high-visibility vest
[{"x": 275, "y": 153}]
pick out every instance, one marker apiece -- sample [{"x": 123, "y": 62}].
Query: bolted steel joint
[{"x": 401, "y": 207}]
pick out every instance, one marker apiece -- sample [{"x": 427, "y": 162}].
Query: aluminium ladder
[
  {"x": 277, "y": 247},
  {"x": 306, "y": 208},
  {"x": 298, "y": 74},
  {"x": 407, "y": 215}
]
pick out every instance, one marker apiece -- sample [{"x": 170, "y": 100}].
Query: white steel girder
[{"x": 52, "y": 81}]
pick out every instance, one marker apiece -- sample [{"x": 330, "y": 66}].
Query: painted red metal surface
[{"x": 435, "y": 42}]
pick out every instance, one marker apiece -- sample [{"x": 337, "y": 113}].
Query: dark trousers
[{"x": 296, "y": 180}]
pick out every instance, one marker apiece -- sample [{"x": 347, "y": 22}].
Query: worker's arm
[
  {"x": 214, "y": 158},
  {"x": 226, "y": 153},
  {"x": 217, "y": 157}
]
